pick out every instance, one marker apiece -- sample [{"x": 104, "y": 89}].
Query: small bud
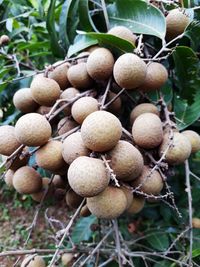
[{"x": 4, "y": 40}]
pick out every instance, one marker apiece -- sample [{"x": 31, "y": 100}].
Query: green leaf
[
  {"x": 164, "y": 263},
  {"x": 166, "y": 91},
  {"x": 196, "y": 253},
  {"x": 86, "y": 22},
  {"x": 159, "y": 242},
  {"x": 138, "y": 16},
  {"x": 55, "y": 47},
  {"x": 82, "y": 231},
  {"x": 193, "y": 33}
]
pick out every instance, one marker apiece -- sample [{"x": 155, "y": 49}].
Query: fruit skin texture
[
  {"x": 176, "y": 23},
  {"x": 124, "y": 33},
  {"x": 83, "y": 107},
  {"x": 49, "y": 156},
  {"x": 109, "y": 204},
  {"x": 67, "y": 259},
  {"x": 58, "y": 182},
  {"x": 33, "y": 129},
  {"x": 128, "y": 194},
  {"x": 27, "y": 181},
  {"x": 73, "y": 147},
  {"x": 85, "y": 211},
  {"x": 45, "y": 184},
  {"x": 126, "y": 161},
  {"x": 59, "y": 74},
  {"x": 9, "y": 178},
  {"x": 100, "y": 64},
  {"x": 179, "y": 151},
  {"x": 101, "y": 131},
  {"x": 156, "y": 77},
  {"x": 196, "y": 223},
  {"x": 45, "y": 91},
  {"x": 114, "y": 107},
  {"x": 147, "y": 131},
  {"x": 8, "y": 140},
  {"x": 88, "y": 176},
  {"x": 194, "y": 139},
  {"x": 69, "y": 93},
  {"x": 73, "y": 200},
  {"x": 79, "y": 77},
  {"x": 24, "y": 101},
  {"x": 31, "y": 261},
  {"x": 65, "y": 125},
  {"x": 152, "y": 183},
  {"x": 129, "y": 71},
  {"x": 136, "y": 205},
  {"x": 141, "y": 109}
]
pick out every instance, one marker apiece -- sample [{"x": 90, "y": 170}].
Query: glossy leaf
[
  {"x": 193, "y": 33},
  {"x": 86, "y": 22},
  {"x": 159, "y": 242}
]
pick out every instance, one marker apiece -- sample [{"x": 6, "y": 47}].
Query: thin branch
[{"x": 105, "y": 14}]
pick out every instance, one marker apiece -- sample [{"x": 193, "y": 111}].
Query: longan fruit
[
  {"x": 58, "y": 182},
  {"x": 141, "y": 109},
  {"x": 101, "y": 131},
  {"x": 45, "y": 91},
  {"x": 124, "y": 33},
  {"x": 73, "y": 147},
  {"x": 137, "y": 205},
  {"x": 68, "y": 94},
  {"x": 33, "y": 261},
  {"x": 196, "y": 223},
  {"x": 59, "y": 74},
  {"x": 33, "y": 129},
  {"x": 20, "y": 160},
  {"x": 126, "y": 161},
  {"x": 85, "y": 211},
  {"x": 24, "y": 101},
  {"x": 115, "y": 106},
  {"x": 65, "y": 125},
  {"x": 79, "y": 77},
  {"x": 73, "y": 200},
  {"x": 8, "y": 140},
  {"x": 4, "y": 40},
  {"x": 8, "y": 178},
  {"x": 152, "y": 182},
  {"x": 67, "y": 259},
  {"x": 26, "y": 180},
  {"x": 194, "y": 139},
  {"x": 82, "y": 57},
  {"x": 88, "y": 176},
  {"x": 109, "y": 204},
  {"x": 147, "y": 131},
  {"x": 83, "y": 107},
  {"x": 129, "y": 71},
  {"x": 100, "y": 64},
  {"x": 179, "y": 150},
  {"x": 128, "y": 194},
  {"x": 45, "y": 185},
  {"x": 42, "y": 110}
]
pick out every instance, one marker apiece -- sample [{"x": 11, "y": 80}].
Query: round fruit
[
  {"x": 8, "y": 140},
  {"x": 137, "y": 205},
  {"x": 45, "y": 91},
  {"x": 59, "y": 194},
  {"x": 100, "y": 64},
  {"x": 58, "y": 182},
  {"x": 68, "y": 94},
  {"x": 129, "y": 71},
  {"x": 27, "y": 181},
  {"x": 88, "y": 176},
  {"x": 115, "y": 106},
  {"x": 72, "y": 199},
  {"x": 141, "y": 109},
  {"x": 85, "y": 211},
  {"x": 156, "y": 77},
  {"x": 24, "y": 101},
  {"x": 79, "y": 77},
  {"x": 33, "y": 261},
  {"x": 42, "y": 110},
  {"x": 33, "y": 130},
  {"x": 65, "y": 125},
  {"x": 109, "y": 204},
  {"x": 20, "y": 160},
  {"x": 194, "y": 139},
  {"x": 147, "y": 131},
  {"x": 196, "y": 223},
  {"x": 151, "y": 182},
  {"x": 45, "y": 186},
  {"x": 101, "y": 131},
  {"x": 73, "y": 147},
  {"x": 179, "y": 150},
  {"x": 67, "y": 259},
  {"x": 49, "y": 156},
  {"x": 128, "y": 194},
  {"x": 4, "y": 39},
  {"x": 9, "y": 178},
  {"x": 124, "y": 33},
  {"x": 59, "y": 74},
  {"x": 126, "y": 161},
  {"x": 82, "y": 57},
  {"x": 176, "y": 21},
  {"x": 83, "y": 107}
]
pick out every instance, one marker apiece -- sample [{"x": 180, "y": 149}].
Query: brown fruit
[
  {"x": 101, "y": 131},
  {"x": 9, "y": 178},
  {"x": 59, "y": 194},
  {"x": 33, "y": 129},
  {"x": 4, "y": 40},
  {"x": 176, "y": 21},
  {"x": 73, "y": 147},
  {"x": 59, "y": 182},
  {"x": 196, "y": 223},
  {"x": 124, "y": 33},
  {"x": 67, "y": 259},
  {"x": 8, "y": 140},
  {"x": 128, "y": 194},
  {"x": 45, "y": 91},
  {"x": 179, "y": 151},
  {"x": 90, "y": 49},
  {"x": 129, "y": 71},
  {"x": 126, "y": 161},
  {"x": 24, "y": 101},
  {"x": 147, "y": 131},
  {"x": 83, "y": 107},
  {"x": 42, "y": 110},
  {"x": 27, "y": 181},
  {"x": 141, "y": 109},
  {"x": 100, "y": 64},
  {"x": 59, "y": 74},
  {"x": 85, "y": 211},
  {"x": 151, "y": 182},
  {"x": 88, "y": 176},
  {"x": 33, "y": 261},
  {"x": 68, "y": 94},
  {"x": 73, "y": 200},
  {"x": 20, "y": 160},
  {"x": 49, "y": 156},
  {"x": 114, "y": 107},
  {"x": 65, "y": 125},
  {"x": 194, "y": 139},
  {"x": 82, "y": 57},
  {"x": 45, "y": 185},
  {"x": 137, "y": 205},
  {"x": 79, "y": 77},
  {"x": 109, "y": 204},
  {"x": 156, "y": 77}
]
